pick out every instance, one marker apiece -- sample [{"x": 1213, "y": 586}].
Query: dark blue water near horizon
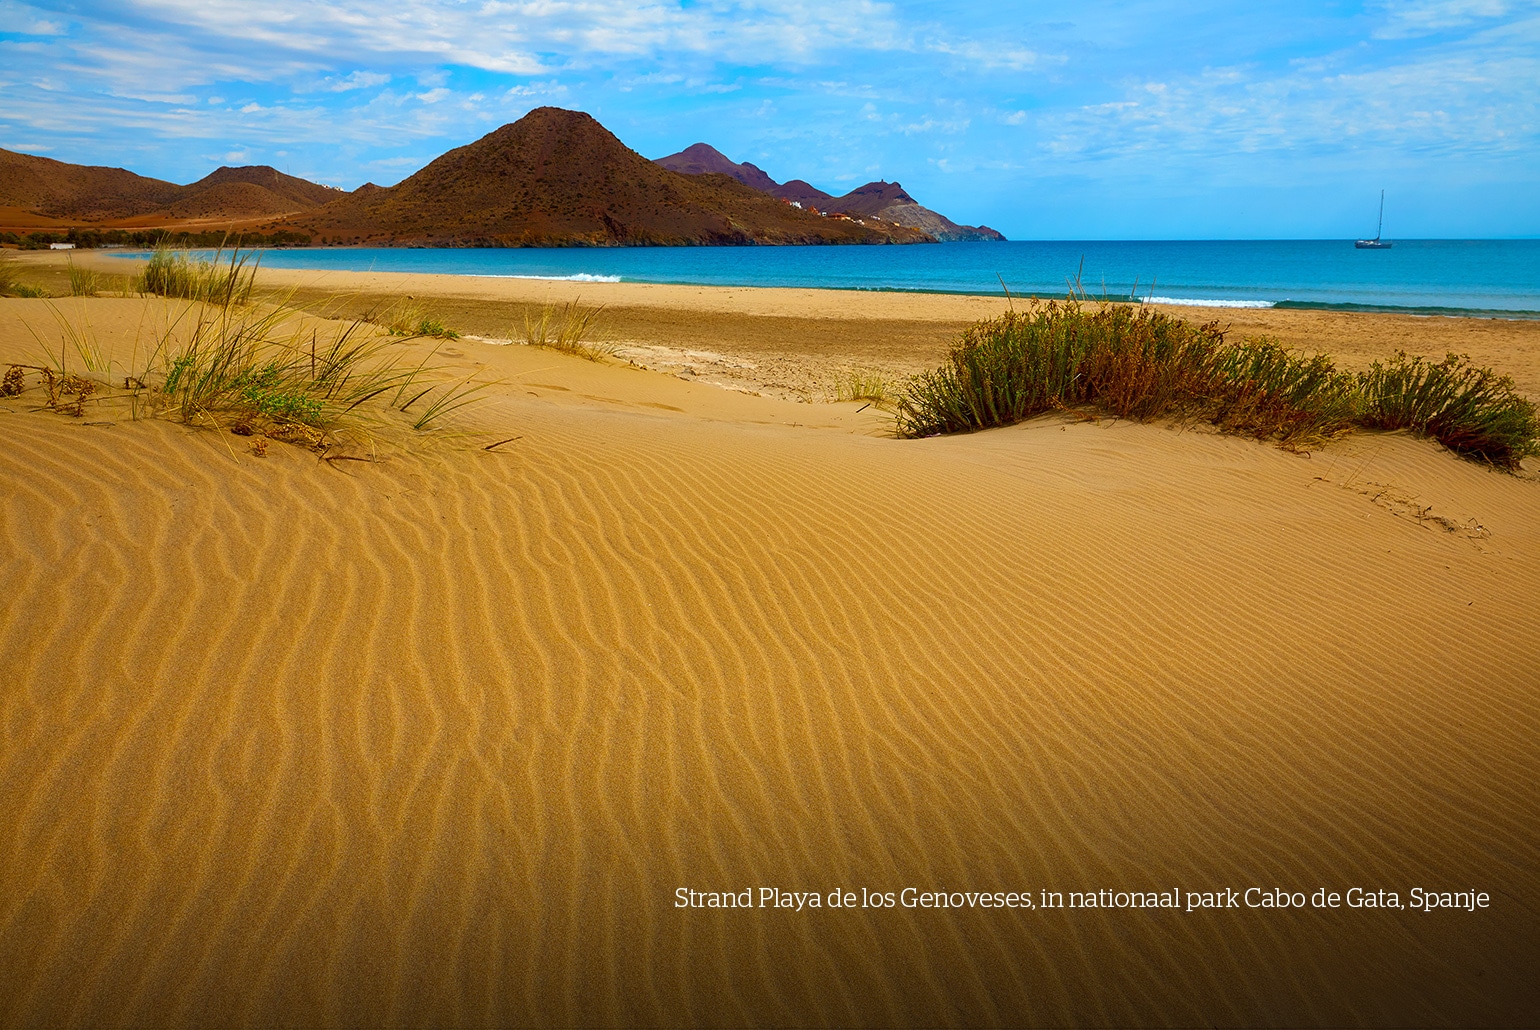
[{"x": 1496, "y": 277}]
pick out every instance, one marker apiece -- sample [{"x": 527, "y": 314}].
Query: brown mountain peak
[
  {"x": 559, "y": 177},
  {"x": 704, "y": 159}
]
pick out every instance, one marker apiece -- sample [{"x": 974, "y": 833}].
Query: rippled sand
[{"x": 436, "y": 740}]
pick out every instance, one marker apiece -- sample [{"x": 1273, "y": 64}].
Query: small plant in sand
[
  {"x": 84, "y": 282},
  {"x": 1138, "y": 365},
  {"x": 11, "y": 284},
  {"x": 863, "y": 385},
  {"x": 176, "y": 274},
  {"x": 260, "y": 372},
  {"x": 1470, "y": 410},
  {"x": 406, "y": 317},
  {"x": 566, "y": 329}
]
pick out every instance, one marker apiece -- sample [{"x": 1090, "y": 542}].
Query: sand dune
[{"x": 436, "y": 740}]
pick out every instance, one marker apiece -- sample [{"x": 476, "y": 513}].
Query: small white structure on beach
[{"x": 61, "y": 246}]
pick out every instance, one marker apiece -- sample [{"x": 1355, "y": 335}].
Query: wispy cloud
[{"x": 971, "y": 106}]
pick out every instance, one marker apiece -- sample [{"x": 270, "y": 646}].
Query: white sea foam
[
  {"x": 1190, "y": 302},
  {"x": 576, "y": 277}
]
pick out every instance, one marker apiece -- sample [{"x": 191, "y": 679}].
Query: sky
[{"x": 1140, "y": 119}]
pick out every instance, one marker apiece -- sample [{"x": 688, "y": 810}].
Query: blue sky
[{"x": 1094, "y": 120}]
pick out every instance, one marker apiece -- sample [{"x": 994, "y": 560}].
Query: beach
[{"x": 440, "y": 738}]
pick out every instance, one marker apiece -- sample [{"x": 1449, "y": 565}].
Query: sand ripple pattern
[{"x": 434, "y": 742}]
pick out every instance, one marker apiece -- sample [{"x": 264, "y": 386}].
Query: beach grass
[
  {"x": 85, "y": 282},
  {"x": 259, "y": 370},
  {"x": 863, "y": 384},
  {"x": 408, "y": 317},
  {"x": 1472, "y": 411},
  {"x": 567, "y": 329},
  {"x": 1126, "y": 361},
  {"x": 176, "y": 274},
  {"x": 11, "y": 283}
]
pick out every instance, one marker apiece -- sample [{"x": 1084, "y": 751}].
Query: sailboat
[{"x": 1376, "y": 243}]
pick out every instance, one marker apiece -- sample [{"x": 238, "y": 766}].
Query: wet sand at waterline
[{"x": 438, "y": 739}]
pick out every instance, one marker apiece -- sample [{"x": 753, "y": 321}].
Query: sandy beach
[{"x": 438, "y": 739}]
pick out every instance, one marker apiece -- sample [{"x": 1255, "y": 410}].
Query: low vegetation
[
  {"x": 218, "y": 281},
  {"x": 1128, "y": 362},
  {"x": 11, "y": 283},
  {"x": 406, "y": 317},
  {"x": 259, "y": 371},
  {"x": 84, "y": 282},
  {"x": 863, "y": 385},
  {"x": 567, "y": 329}
]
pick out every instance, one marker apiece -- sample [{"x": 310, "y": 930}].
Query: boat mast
[{"x": 1378, "y": 229}]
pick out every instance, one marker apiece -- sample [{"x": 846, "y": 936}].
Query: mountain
[
  {"x": 558, "y": 177},
  {"x": 881, "y": 200},
  {"x": 888, "y": 201},
  {"x": 61, "y": 190},
  {"x": 701, "y": 159},
  {"x": 93, "y": 193}
]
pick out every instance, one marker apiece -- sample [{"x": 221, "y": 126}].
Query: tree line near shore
[{"x": 151, "y": 239}]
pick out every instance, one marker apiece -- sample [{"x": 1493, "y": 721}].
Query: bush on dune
[
  {"x": 257, "y": 370},
  {"x": 1136, "y": 364},
  {"x": 174, "y": 273}
]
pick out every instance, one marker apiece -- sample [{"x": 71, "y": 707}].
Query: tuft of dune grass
[
  {"x": 863, "y": 385},
  {"x": 567, "y": 330},
  {"x": 177, "y": 274},
  {"x": 1472, "y": 411},
  {"x": 1140, "y": 365},
  {"x": 407, "y": 317},
  {"x": 11, "y": 283},
  {"x": 257, "y": 371},
  {"x": 84, "y": 282}
]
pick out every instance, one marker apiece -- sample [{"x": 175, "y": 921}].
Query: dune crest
[{"x": 437, "y": 740}]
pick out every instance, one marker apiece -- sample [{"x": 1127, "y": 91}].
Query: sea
[{"x": 1494, "y": 278}]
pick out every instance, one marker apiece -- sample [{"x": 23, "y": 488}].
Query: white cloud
[
  {"x": 353, "y": 80},
  {"x": 1407, "y": 18}
]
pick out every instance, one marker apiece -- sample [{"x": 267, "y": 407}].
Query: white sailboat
[{"x": 1376, "y": 243}]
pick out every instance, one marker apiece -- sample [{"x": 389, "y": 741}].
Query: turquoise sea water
[{"x": 1499, "y": 277}]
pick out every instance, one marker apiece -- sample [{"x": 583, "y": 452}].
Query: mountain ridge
[
  {"x": 558, "y": 177},
  {"x": 882, "y": 200}
]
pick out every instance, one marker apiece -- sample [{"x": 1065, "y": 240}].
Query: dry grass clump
[
  {"x": 11, "y": 284},
  {"x": 1472, "y": 411},
  {"x": 1141, "y": 365},
  {"x": 174, "y": 273},
  {"x": 84, "y": 282},
  {"x": 259, "y": 373},
  {"x": 1132, "y": 364},
  {"x": 566, "y": 329},
  {"x": 863, "y": 385},
  {"x": 406, "y": 317}
]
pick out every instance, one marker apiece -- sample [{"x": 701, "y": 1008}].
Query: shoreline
[
  {"x": 797, "y": 342},
  {"x": 303, "y": 720},
  {"x": 1194, "y": 303}
]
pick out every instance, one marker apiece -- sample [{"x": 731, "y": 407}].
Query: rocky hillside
[
  {"x": 886, "y": 201},
  {"x": 91, "y": 193},
  {"x": 557, "y": 178}
]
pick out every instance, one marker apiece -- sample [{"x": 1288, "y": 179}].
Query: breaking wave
[
  {"x": 576, "y": 277},
  {"x": 1205, "y": 303}
]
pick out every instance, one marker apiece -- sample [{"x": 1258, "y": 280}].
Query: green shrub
[
  {"x": 567, "y": 330},
  {"x": 173, "y": 273},
  {"x": 1470, "y": 410},
  {"x": 1140, "y": 365},
  {"x": 1129, "y": 363}
]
